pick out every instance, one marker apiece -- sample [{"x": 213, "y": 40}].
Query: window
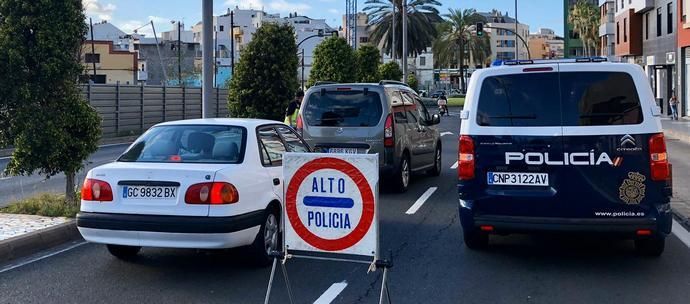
[
  {"x": 618, "y": 33},
  {"x": 92, "y": 58},
  {"x": 363, "y": 39},
  {"x": 622, "y": 4},
  {"x": 505, "y": 55},
  {"x": 271, "y": 146},
  {"x": 646, "y": 26},
  {"x": 293, "y": 142},
  {"x": 189, "y": 144},
  {"x": 519, "y": 100},
  {"x": 343, "y": 108},
  {"x": 221, "y": 27},
  {"x": 599, "y": 99},
  {"x": 422, "y": 61},
  {"x": 669, "y": 18},
  {"x": 625, "y": 30},
  {"x": 658, "y": 22}
]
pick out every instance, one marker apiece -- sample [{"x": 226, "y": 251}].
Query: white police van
[{"x": 568, "y": 145}]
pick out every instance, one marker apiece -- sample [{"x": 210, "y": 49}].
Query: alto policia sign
[{"x": 330, "y": 203}]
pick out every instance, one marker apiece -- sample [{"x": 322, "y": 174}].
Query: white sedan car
[{"x": 205, "y": 183}]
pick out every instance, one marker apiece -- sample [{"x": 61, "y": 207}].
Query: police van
[{"x": 565, "y": 146}]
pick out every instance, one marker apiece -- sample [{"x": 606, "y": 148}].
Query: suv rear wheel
[
  {"x": 436, "y": 170},
  {"x": 652, "y": 247},
  {"x": 123, "y": 252},
  {"x": 475, "y": 239},
  {"x": 403, "y": 175}
]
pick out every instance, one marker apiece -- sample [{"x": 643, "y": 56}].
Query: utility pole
[
  {"x": 302, "y": 69},
  {"x": 179, "y": 53},
  {"x": 215, "y": 58},
  {"x": 404, "y": 42},
  {"x": 160, "y": 58},
  {"x": 93, "y": 51},
  {"x": 517, "y": 46},
  {"x": 232, "y": 41},
  {"x": 207, "y": 63},
  {"x": 393, "y": 20}
]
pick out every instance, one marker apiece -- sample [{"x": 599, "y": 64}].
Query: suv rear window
[
  {"x": 350, "y": 108},
  {"x": 559, "y": 99},
  {"x": 189, "y": 144}
]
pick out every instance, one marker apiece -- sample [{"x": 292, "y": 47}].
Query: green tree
[
  {"x": 412, "y": 81},
  {"x": 334, "y": 60},
  {"x": 266, "y": 76},
  {"x": 456, "y": 36},
  {"x": 51, "y": 127},
  {"x": 422, "y": 16},
  {"x": 368, "y": 61},
  {"x": 585, "y": 19},
  {"x": 390, "y": 71}
]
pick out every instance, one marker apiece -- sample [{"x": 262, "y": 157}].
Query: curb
[
  {"x": 682, "y": 136},
  {"x": 104, "y": 142},
  {"x": 681, "y": 219},
  {"x": 31, "y": 243}
]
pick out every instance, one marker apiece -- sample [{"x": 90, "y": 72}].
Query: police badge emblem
[{"x": 632, "y": 191}]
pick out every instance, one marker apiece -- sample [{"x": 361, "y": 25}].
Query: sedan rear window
[
  {"x": 189, "y": 144},
  {"x": 351, "y": 108}
]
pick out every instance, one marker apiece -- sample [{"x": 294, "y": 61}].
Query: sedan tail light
[
  {"x": 660, "y": 169},
  {"x": 96, "y": 190},
  {"x": 466, "y": 158},
  {"x": 212, "y": 194}
]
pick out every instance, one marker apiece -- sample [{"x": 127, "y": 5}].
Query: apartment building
[
  {"x": 607, "y": 29},
  {"x": 683, "y": 60},
  {"x": 504, "y": 43},
  {"x": 573, "y": 44},
  {"x": 107, "y": 57},
  {"x": 544, "y": 44}
]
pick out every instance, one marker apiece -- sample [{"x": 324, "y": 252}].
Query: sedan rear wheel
[{"x": 123, "y": 252}]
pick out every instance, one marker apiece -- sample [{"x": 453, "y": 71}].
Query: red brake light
[
  {"x": 389, "y": 132},
  {"x": 644, "y": 232},
  {"x": 212, "y": 194},
  {"x": 466, "y": 158},
  {"x": 96, "y": 190},
  {"x": 660, "y": 169}
]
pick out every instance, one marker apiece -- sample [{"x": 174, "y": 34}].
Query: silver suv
[{"x": 387, "y": 118}]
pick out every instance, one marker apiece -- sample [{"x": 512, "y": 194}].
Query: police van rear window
[
  {"x": 559, "y": 99},
  {"x": 346, "y": 108}
]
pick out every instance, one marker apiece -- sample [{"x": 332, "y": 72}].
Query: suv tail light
[
  {"x": 299, "y": 125},
  {"x": 658, "y": 157},
  {"x": 212, "y": 194},
  {"x": 96, "y": 190},
  {"x": 466, "y": 158},
  {"x": 389, "y": 132}
]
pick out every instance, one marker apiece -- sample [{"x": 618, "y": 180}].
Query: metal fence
[{"x": 129, "y": 110}]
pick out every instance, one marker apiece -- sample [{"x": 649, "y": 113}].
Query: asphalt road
[
  {"x": 13, "y": 188},
  {"x": 431, "y": 266}
]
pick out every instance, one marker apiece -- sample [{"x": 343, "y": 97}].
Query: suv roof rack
[
  {"x": 319, "y": 83},
  {"x": 567, "y": 60},
  {"x": 385, "y": 82}
]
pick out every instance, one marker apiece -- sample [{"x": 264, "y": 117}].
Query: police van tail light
[
  {"x": 299, "y": 125},
  {"x": 212, "y": 194},
  {"x": 389, "y": 132},
  {"x": 96, "y": 190},
  {"x": 660, "y": 169},
  {"x": 466, "y": 158}
]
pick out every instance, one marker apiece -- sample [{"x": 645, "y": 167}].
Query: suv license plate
[
  {"x": 343, "y": 150},
  {"x": 148, "y": 192},
  {"x": 517, "y": 179}
]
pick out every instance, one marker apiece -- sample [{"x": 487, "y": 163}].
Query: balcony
[
  {"x": 608, "y": 28},
  {"x": 602, "y": 2},
  {"x": 142, "y": 75},
  {"x": 642, "y": 6}
]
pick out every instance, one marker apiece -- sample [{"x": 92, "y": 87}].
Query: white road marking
[
  {"x": 4, "y": 158},
  {"x": 454, "y": 166},
  {"x": 4, "y": 177},
  {"x": 13, "y": 266},
  {"x": 446, "y": 133},
  {"x": 331, "y": 293},
  {"x": 680, "y": 232},
  {"x": 422, "y": 199}
]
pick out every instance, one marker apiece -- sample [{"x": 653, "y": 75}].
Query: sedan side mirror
[{"x": 435, "y": 119}]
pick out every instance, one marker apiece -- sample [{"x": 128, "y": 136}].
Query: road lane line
[
  {"x": 680, "y": 232},
  {"x": 422, "y": 199},
  {"x": 10, "y": 267},
  {"x": 454, "y": 166},
  {"x": 4, "y": 158},
  {"x": 446, "y": 133},
  {"x": 5, "y": 178},
  {"x": 331, "y": 293}
]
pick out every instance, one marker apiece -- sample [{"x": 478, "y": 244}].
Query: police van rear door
[
  {"x": 607, "y": 129},
  {"x": 516, "y": 132}
]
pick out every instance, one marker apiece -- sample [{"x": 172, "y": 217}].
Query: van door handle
[{"x": 276, "y": 181}]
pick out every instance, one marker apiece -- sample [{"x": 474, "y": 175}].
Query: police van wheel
[
  {"x": 123, "y": 252},
  {"x": 267, "y": 240},
  {"x": 475, "y": 239},
  {"x": 652, "y": 247}
]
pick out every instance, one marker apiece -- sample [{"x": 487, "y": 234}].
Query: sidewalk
[
  {"x": 679, "y": 129},
  {"x": 678, "y": 140},
  {"x": 23, "y": 235}
]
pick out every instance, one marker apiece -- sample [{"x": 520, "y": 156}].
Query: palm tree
[
  {"x": 422, "y": 15},
  {"x": 584, "y": 17},
  {"x": 456, "y": 37}
]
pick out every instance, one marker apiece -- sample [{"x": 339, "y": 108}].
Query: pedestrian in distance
[
  {"x": 292, "y": 110},
  {"x": 443, "y": 104},
  {"x": 674, "y": 107}
]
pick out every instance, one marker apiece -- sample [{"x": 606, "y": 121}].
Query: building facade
[
  {"x": 544, "y": 44},
  {"x": 607, "y": 29},
  {"x": 573, "y": 44},
  {"x": 683, "y": 58},
  {"x": 112, "y": 64},
  {"x": 504, "y": 44}
]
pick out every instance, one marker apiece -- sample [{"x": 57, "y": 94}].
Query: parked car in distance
[
  {"x": 386, "y": 118},
  {"x": 203, "y": 183}
]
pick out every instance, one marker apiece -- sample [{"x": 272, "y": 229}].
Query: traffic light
[{"x": 480, "y": 29}]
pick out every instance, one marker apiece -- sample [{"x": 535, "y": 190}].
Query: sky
[{"x": 129, "y": 15}]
